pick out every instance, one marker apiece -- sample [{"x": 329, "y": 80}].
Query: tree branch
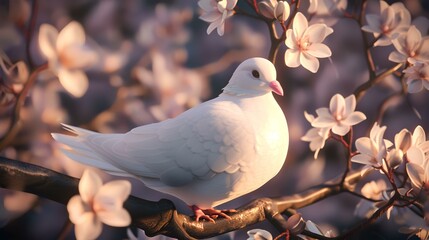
[{"x": 161, "y": 217}]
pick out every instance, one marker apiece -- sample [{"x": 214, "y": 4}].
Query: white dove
[{"x": 208, "y": 155}]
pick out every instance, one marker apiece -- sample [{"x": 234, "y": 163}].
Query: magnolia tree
[{"x": 356, "y": 75}]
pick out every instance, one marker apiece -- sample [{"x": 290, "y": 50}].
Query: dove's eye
[{"x": 255, "y": 73}]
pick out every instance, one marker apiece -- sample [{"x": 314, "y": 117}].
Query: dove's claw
[{"x": 210, "y": 214}]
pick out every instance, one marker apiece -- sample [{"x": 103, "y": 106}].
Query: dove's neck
[{"x": 232, "y": 90}]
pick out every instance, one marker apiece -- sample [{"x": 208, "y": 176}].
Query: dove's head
[{"x": 255, "y": 76}]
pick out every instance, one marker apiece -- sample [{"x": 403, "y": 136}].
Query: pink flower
[
  {"x": 274, "y": 9},
  {"x": 340, "y": 116},
  {"x": 97, "y": 204},
  {"x": 316, "y": 136},
  {"x": 216, "y": 12},
  {"x": 67, "y": 55},
  {"x": 417, "y": 77},
  {"x": 390, "y": 22},
  {"x": 411, "y": 47},
  {"x": 305, "y": 44}
]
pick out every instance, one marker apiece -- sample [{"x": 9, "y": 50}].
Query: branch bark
[{"x": 161, "y": 217}]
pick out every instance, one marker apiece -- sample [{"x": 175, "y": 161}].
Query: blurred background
[{"x": 154, "y": 61}]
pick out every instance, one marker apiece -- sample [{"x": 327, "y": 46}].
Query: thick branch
[{"x": 161, "y": 217}]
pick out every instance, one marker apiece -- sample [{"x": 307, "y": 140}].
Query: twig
[
  {"x": 30, "y": 31},
  {"x": 12, "y": 130},
  {"x": 360, "y": 90}
]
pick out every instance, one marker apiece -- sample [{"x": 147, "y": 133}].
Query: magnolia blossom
[
  {"x": 316, "y": 136},
  {"x": 97, "y": 204},
  {"x": 373, "y": 149},
  {"x": 411, "y": 47},
  {"x": 305, "y": 43},
  {"x": 216, "y": 12},
  {"x": 387, "y": 24},
  {"x": 326, "y": 7},
  {"x": 418, "y": 157},
  {"x": 417, "y": 77},
  {"x": 259, "y": 234},
  {"x": 340, "y": 115},
  {"x": 271, "y": 9},
  {"x": 374, "y": 190},
  {"x": 14, "y": 75},
  {"x": 67, "y": 55}
]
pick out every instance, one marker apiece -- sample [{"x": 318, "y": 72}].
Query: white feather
[{"x": 210, "y": 154}]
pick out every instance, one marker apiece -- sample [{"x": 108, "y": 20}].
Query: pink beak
[{"x": 276, "y": 87}]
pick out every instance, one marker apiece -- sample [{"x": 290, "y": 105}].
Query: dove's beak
[{"x": 276, "y": 87}]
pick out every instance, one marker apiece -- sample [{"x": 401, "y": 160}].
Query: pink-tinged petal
[
  {"x": 414, "y": 38},
  {"x": 415, "y": 86},
  {"x": 350, "y": 104},
  {"x": 419, "y": 135},
  {"x": 266, "y": 10},
  {"x": 76, "y": 209},
  {"x": 48, "y": 36},
  {"x": 340, "y": 129},
  {"x": 310, "y": 135},
  {"x": 397, "y": 57},
  {"x": 354, "y": 118},
  {"x": 309, "y": 117},
  {"x": 292, "y": 58},
  {"x": 416, "y": 155},
  {"x": 300, "y": 24},
  {"x": 212, "y": 27},
  {"x": 316, "y": 32},
  {"x": 319, "y": 50},
  {"x": 210, "y": 16},
  {"x": 324, "y": 122},
  {"x": 116, "y": 218},
  {"x": 337, "y": 105},
  {"x": 374, "y": 25},
  {"x": 207, "y": 5},
  {"x": 89, "y": 227},
  {"x": 282, "y": 10},
  {"x": 231, "y": 4},
  {"x": 89, "y": 185},
  {"x": 75, "y": 82},
  {"x": 403, "y": 140},
  {"x": 383, "y": 41},
  {"x": 118, "y": 190},
  {"x": 362, "y": 159},
  {"x": 323, "y": 112},
  {"x": 416, "y": 174},
  {"x": 364, "y": 145},
  {"x": 423, "y": 52},
  {"x": 259, "y": 234},
  {"x": 221, "y": 28},
  {"x": 309, "y": 62},
  {"x": 291, "y": 41},
  {"x": 72, "y": 34}
]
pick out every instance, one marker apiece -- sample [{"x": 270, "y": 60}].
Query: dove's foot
[{"x": 210, "y": 214}]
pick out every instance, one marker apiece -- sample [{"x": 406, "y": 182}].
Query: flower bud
[
  {"x": 266, "y": 8},
  {"x": 282, "y": 11}
]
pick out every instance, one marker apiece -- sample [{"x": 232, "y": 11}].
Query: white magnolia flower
[
  {"x": 374, "y": 190},
  {"x": 274, "y": 9},
  {"x": 326, "y": 7},
  {"x": 97, "y": 204},
  {"x": 411, "y": 47},
  {"x": 67, "y": 55},
  {"x": 316, "y": 136},
  {"x": 216, "y": 12},
  {"x": 340, "y": 116},
  {"x": 259, "y": 234},
  {"x": 417, "y": 77},
  {"x": 373, "y": 149},
  {"x": 418, "y": 157},
  {"x": 387, "y": 24},
  {"x": 305, "y": 43}
]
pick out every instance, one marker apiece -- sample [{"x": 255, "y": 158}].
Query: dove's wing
[{"x": 212, "y": 138}]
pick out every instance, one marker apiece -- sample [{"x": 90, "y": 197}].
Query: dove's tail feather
[{"x": 78, "y": 150}]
